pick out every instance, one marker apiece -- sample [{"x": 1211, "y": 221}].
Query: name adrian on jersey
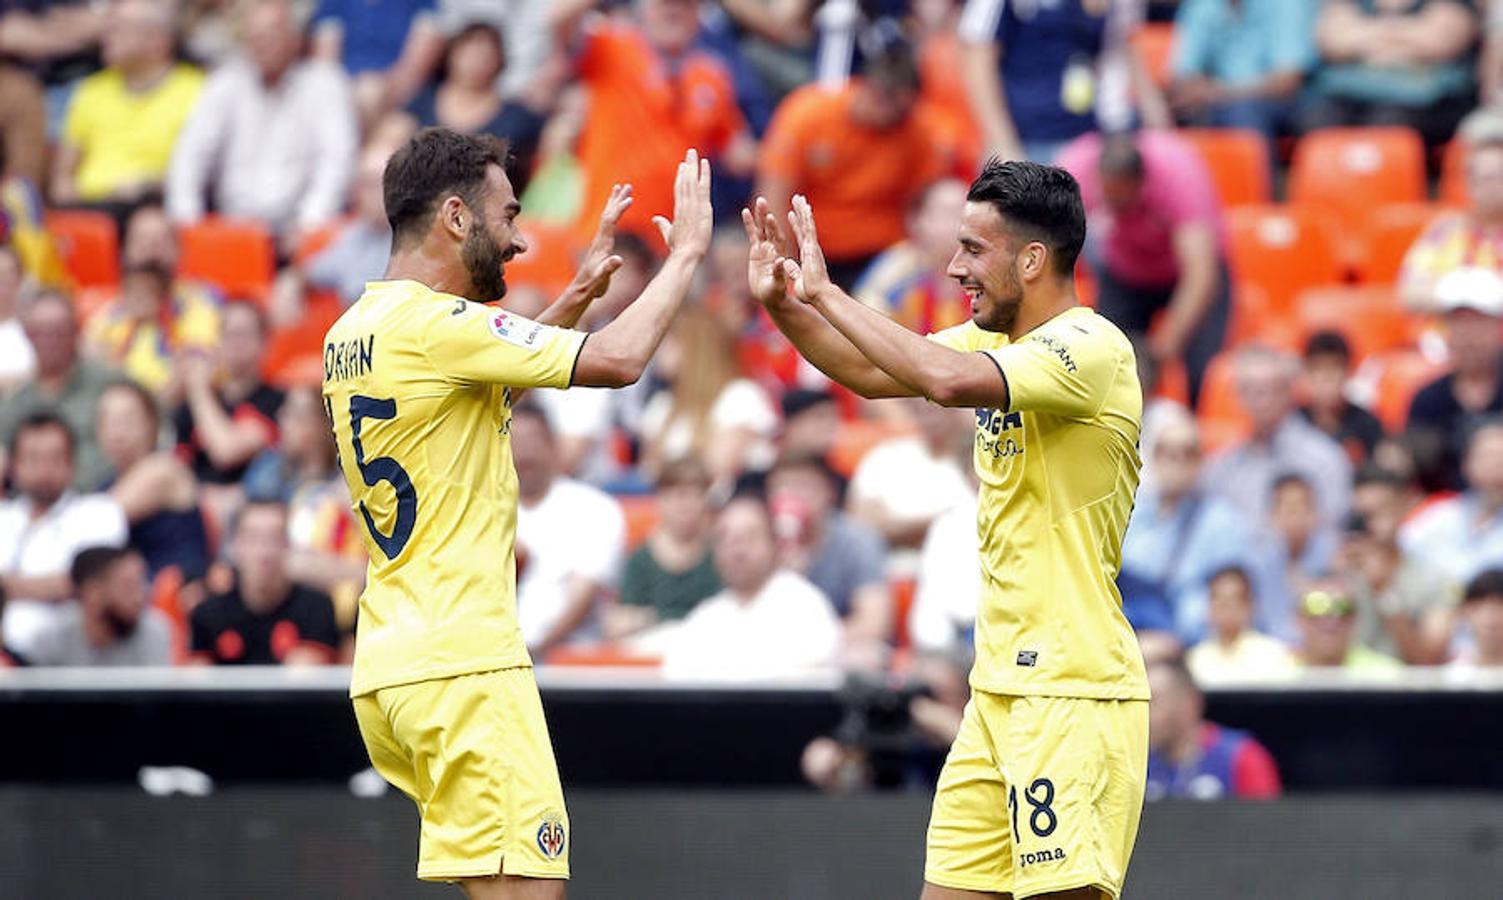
[
  {"x": 990, "y": 440},
  {"x": 349, "y": 359}
]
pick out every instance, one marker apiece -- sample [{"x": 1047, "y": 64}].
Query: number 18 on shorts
[{"x": 1039, "y": 794}]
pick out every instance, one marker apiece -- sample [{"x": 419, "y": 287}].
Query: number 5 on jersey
[{"x": 382, "y": 468}]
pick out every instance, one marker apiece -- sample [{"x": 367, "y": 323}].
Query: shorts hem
[
  {"x": 444, "y": 872},
  {"x": 961, "y": 883},
  {"x": 539, "y": 874},
  {"x": 1066, "y": 884}
]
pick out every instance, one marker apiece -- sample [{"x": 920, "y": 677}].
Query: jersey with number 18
[{"x": 418, "y": 386}]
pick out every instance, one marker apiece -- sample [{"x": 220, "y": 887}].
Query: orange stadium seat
[
  {"x": 1452, "y": 190},
  {"x": 641, "y": 518},
  {"x": 599, "y": 655},
  {"x": 1174, "y": 382},
  {"x": 1238, "y": 162},
  {"x": 236, "y": 256},
  {"x": 1254, "y": 319},
  {"x": 1154, "y": 44},
  {"x": 1369, "y": 316},
  {"x": 1387, "y": 235},
  {"x": 903, "y": 591},
  {"x": 1283, "y": 249},
  {"x": 294, "y": 355},
  {"x": 1353, "y": 171},
  {"x": 90, "y": 246},
  {"x": 1400, "y": 376},
  {"x": 1221, "y": 416}
]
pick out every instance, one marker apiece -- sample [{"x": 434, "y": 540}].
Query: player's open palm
[
  {"x": 600, "y": 260},
  {"x": 808, "y": 275},
  {"x": 764, "y": 273},
  {"x": 693, "y": 217}
]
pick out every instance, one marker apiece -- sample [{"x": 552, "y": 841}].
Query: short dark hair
[
  {"x": 1177, "y": 666},
  {"x": 93, "y": 563},
  {"x": 1291, "y": 479},
  {"x": 1120, "y": 156},
  {"x": 528, "y": 409},
  {"x": 801, "y": 400},
  {"x": 1328, "y": 343},
  {"x": 433, "y": 164},
  {"x": 148, "y": 402},
  {"x": 892, "y": 65},
  {"x": 1041, "y": 203},
  {"x": 253, "y": 503},
  {"x": 1388, "y": 478},
  {"x": 684, "y": 471},
  {"x": 633, "y": 248},
  {"x": 248, "y": 306},
  {"x": 809, "y": 462},
  {"x": 1485, "y": 585},
  {"x": 41, "y": 420},
  {"x": 1236, "y": 571}
]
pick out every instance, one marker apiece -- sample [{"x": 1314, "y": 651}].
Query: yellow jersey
[
  {"x": 418, "y": 386},
  {"x": 1058, "y": 471}
]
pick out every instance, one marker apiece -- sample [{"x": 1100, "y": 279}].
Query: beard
[
  {"x": 1002, "y": 311},
  {"x": 483, "y": 260},
  {"x": 120, "y": 625}
]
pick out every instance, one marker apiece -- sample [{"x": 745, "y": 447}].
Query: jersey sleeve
[
  {"x": 1066, "y": 369},
  {"x": 960, "y": 337},
  {"x": 477, "y": 344}
]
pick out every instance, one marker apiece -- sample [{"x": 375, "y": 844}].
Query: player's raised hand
[
  {"x": 808, "y": 275},
  {"x": 767, "y": 247},
  {"x": 600, "y": 260},
  {"x": 693, "y": 217}
]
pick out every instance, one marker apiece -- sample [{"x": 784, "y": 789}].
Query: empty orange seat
[
  {"x": 1254, "y": 319},
  {"x": 288, "y": 349},
  {"x": 903, "y": 591},
  {"x": 236, "y": 256},
  {"x": 1370, "y": 317},
  {"x": 1283, "y": 249},
  {"x": 1237, "y": 160},
  {"x": 1221, "y": 416},
  {"x": 1452, "y": 191},
  {"x": 89, "y": 244},
  {"x": 1388, "y": 234},
  {"x": 641, "y": 518},
  {"x": 1154, "y": 44},
  {"x": 1355, "y": 171},
  {"x": 1400, "y": 376}
]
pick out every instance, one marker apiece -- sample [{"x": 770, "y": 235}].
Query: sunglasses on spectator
[{"x": 1324, "y": 604}]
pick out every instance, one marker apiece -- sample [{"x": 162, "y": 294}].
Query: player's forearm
[
  {"x": 581, "y": 601},
  {"x": 830, "y": 352},
  {"x": 617, "y": 355},
  {"x": 945, "y": 376}
]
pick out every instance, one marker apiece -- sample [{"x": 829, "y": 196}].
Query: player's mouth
[{"x": 973, "y": 293}]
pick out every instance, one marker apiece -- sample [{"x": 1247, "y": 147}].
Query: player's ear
[
  {"x": 454, "y": 217},
  {"x": 1035, "y": 259}
]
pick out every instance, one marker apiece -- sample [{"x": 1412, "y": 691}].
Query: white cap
[{"x": 1471, "y": 287}]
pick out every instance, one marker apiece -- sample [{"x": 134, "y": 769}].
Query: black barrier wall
[{"x": 119, "y": 844}]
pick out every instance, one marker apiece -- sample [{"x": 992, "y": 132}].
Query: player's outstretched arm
[
  {"x": 824, "y": 347},
  {"x": 947, "y": 377},
  {"x": 600, "y": 262},
  {"x": 616, "y": 355}
]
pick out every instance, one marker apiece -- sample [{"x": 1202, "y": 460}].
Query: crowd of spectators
[{"x": 174, "y": 493}]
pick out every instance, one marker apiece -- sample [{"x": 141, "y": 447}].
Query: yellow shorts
[
  {"x": 1039, "y": 794},
  {"x": 473, "y": 751}
]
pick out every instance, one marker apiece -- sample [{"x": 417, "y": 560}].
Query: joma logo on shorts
[{"x": 1055, "y": 855}]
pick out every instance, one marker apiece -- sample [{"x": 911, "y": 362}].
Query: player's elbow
[
  {"x": 605, "y": 366},
  {"x": 945, "y": 389}
]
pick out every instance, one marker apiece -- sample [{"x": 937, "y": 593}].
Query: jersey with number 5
[{"x": 418, "y": 386}]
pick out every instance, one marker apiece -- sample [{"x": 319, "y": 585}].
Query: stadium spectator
[
  {"x": 704, "y": 408},
  {"x": 1181, "y": 533},
  {"x": 155, "y": 490},
  {"x": 206, "y": 31},
  {"x": 1157, "y": 243},
  {"x": 1040, "y": 75},
  {"x": 265, "y": 618},
  {"x": 43, "y": 528},
  {"x": 1192, "y": 759},
  {"x": 17, "y": 360},
  {"x": 273, "y": 137},
  {"x": 55, "y": 39},
  {"x": 112, "y": 624},
  {"x": 861, "y": 153},
  {"x": 326, "y": 551},
  {"x": 123, "y": 121},
  {"x": 1281, "y": 442},
  {"x": 1300, "y": 551},
  {"x": 1471, "y": 237},
  {"x": 229, "y": 414},
  {"x": 559, "y": 588},
  {"x": 1406, "y": 608},
  {"x": 903, "y": 484},
  {"x": 1235, "y": 649},
  {"x": 1472, "y": 301},
  {"x": 1241, "y": 63},
  {"x": 844, "y": 558},
  {"x": 1327, "y": 366},
  {"x": 638, "y": 69},
  {"x": 379, "y": 43},
  {"x": 522, "y": 24},
  {"x": 1463, "y": 535},
  {"x": 1482, "y": 611},
  {"x": 65, "y": 384},
  {"x": 1394, "y": 62},
  {"x": 768, "y": 622},
  {"x": 948, "y": 584},
  {"x": 23, "y": 125},
  {"x": 909, "y": 281},
  {"x": 668, "y": 576},
  {"x": 1327, "y": 628},
  {"x": 156, "y": 317},
  {"x": 468, "y": 99},
  {"x": 811, "y": 420}
]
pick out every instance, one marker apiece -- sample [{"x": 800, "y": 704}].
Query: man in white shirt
[
  {"x": 1463, "y": 535},
  {"x": 17, "y": 361},
  {"x": 570, "y": 539},
  {"x": 766, "y": 623},
  {"x": 43, "y": 529},
  {"x": 905, "y": 483},
  {"x": 275, "y": 136}
]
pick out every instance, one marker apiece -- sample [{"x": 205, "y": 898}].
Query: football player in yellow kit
[
  {"x": 419, "y": 380},
  {"x": 1043, "y": 787}
]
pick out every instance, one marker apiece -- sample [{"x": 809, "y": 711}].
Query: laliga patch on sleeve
[{"x": 516, "y": 330}]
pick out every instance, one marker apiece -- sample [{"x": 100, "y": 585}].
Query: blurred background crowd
[{"x": 1295, "y": 209}]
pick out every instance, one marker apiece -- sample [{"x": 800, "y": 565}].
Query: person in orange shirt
[
  {"x": 861, "y": 154},
  {"x": 652, "y": 94}
]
